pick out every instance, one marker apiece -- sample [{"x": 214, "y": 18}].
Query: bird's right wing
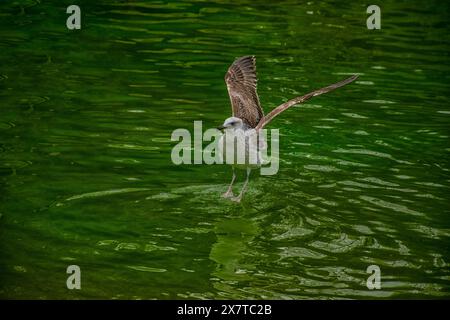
[
  {"x": 265, "y": 120},
  {"x": 241, "y": 84}
]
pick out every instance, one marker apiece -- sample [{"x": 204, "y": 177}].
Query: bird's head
[{"x": 232, "y": 123}]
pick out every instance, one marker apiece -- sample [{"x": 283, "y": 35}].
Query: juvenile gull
[{"x": 248, "y": 117}]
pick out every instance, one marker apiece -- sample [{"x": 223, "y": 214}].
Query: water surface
[{"x": 86, "y": 176}]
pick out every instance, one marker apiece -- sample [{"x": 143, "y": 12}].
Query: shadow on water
[{"x": 234, "y": 233}]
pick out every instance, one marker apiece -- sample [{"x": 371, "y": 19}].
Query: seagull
[{"x": 248, "y": 116}]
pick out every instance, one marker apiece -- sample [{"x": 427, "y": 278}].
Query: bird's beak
[{"x": 221, "y": 128}]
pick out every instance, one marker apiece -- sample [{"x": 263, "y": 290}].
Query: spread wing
[
  {"x": 241, "y": 83},
  {"x": 265, "y": 120}
]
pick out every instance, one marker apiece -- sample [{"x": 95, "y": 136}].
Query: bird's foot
[
  {"x": 236, "y": 199},
  {"x": 228, "y": 194}
]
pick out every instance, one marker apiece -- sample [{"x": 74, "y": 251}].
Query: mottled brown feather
[
  {"x": 265, "y": 120},
  {"x": 241, "y": 83}
]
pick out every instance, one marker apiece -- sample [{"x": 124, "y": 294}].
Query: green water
[{"x": 87, "y": 179}]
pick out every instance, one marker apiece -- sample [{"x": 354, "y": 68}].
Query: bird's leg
[
  {"x": 244, "y": 188},
  {"x": 229, "y": 193}
]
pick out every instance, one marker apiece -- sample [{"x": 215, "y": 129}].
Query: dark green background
[{"x": 86, "y": 176}]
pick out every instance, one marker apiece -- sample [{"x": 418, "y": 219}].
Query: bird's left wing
[{"x": 265, "y": 120}]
